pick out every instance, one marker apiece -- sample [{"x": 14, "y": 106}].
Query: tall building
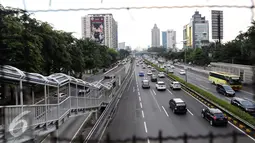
[
  {"x": 171, "y": 39},
  {"x": 155, "y": 36},
  {"x": 102, "y": 28},
  {"x": 121, "y": 45},
  {"x": 196, "y": 33},
  {"x": 164, "y": 39}
]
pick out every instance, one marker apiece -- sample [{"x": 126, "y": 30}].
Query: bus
[{"x": 225, "y": 78}]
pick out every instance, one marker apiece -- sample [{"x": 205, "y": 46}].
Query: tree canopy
[{"x": 35, "y": 46}]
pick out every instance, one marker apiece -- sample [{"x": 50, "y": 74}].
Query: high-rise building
[
  {"x": 196, "y": 33},
  {"x": 121, "y": 45},
  {"x": 164, "y": 39},
  {"x": 102, "y": 28},
  {"x": 155, "y": 36},
  {"x": 171, "y": 39}
]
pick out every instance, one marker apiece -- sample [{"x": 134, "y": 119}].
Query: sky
[{"x": 134, "y": 25}]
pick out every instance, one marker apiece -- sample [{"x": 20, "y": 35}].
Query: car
[
  {"x": 244, "y": 104},
  {"x": 61, "y": 95},
  {"x": 172, "y": 66},
  {"x": 149, "y": 66},
  {"x": 145, "y": 83},
  {"x": 177, "y": 105},
  {"x": 226, "y": 90},
  {"x": 137, "y": 65},
  {"x": 169, "y": 70},
  {"x": 141, "y": 73},
  {"x": 144, "y": 67},
  {"x": 149, "y": 73},
  {"x": 160, "y": 85},
  {"x": 214, "y": 116},
  {"x": 161, "y": 75},
  {"x": 83, "y": 92},
  {"x": 153, "y": 69},
  {"x": 109, "y": 76},
  {"x": 175, "y": 85},
  {"x": 182, "y": 72},
  {"x": 153, "y": 78}
]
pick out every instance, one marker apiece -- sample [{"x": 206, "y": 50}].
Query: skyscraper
[
  {"x": 171, "y": 39},
  {"x": 196, "y": 33},
  {"x": 155, "y": 36},
  {"x": 102, "y": 28},
  {"x": 164, "y": 39}
]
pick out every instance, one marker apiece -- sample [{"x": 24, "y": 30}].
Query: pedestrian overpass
[{"x": 17, "y": 120}]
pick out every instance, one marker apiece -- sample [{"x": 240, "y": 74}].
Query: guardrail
[
  {"x": 98, "y": 129},
  {"x": 237, "y": 121}
]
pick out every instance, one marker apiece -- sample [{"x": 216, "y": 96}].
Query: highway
[
  {"x": 205, "y": 84},
  {"x": 143, "y": 112}
]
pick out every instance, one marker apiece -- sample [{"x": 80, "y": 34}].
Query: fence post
[
  {"x": 160, "y": 136},
  {"x": 134, "y": 139},
  {"x": 211, "y": 137},
  {"x": 234, "y": 137},
  {"x": 185, "y": 138}
]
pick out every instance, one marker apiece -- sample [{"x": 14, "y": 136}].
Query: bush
[{"x": 234, "y": 110}]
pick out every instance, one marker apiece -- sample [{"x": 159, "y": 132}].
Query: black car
[
  {"x": 178, "y": 105},
  {"x": 154, "y": 78},
  {"x": 246, "y": 105},
  {"x": 214, "y": 116},
  {"x": 225, "y": 90}
]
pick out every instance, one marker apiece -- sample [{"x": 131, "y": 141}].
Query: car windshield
[
  {"x": 247, "y": 103},
  {"x": 226, "y": 87}
]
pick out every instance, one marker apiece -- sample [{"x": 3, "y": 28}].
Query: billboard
[
  {"x": 97, "y": 29},
  {"x": 217, "y": 24}
]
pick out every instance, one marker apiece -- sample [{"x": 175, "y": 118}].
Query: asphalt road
[
  {"x": 205, "y": 84},
  {"x": 68, "y": 129},
  {"x": 143, "y": 112}
]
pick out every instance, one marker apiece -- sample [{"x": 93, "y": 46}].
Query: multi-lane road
[
  {"x": 203, "y": 82},
  {"x": 143, "y": 112}
]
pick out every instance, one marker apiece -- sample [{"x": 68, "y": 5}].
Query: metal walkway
[{"x": 17, "y": 119}]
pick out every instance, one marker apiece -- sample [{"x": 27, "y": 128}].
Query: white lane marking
[
  {"x": 190, "y": 112},
  {"x": 228, "y": 121},
  {"x": 142, "y": 113},
  {"x": 139, "y": 98},
  {"x": 155, "y": 101},
  {"x": 141, "y": 105},
  {"x": 138, "y": 89},
  {"x": 154, "y": 91},
  {"x": 80, "y": 128},
  {"x": 169, "y": 91},
  {"x": 148, "y": 141},
  {"x": 138, "y": 93},
  {"x": 145, "y": 126},
  {"x": 227, "y": 98},
  {"x": 137, "y": 86},
  {"x": 203, "y": 87},
  {"x": 165, "y": 111},
  {"x": 133, "y": 89},
  {"x": 247, "y": 92}
]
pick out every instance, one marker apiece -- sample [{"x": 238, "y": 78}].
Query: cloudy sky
[{"x": 135, "y": 25}]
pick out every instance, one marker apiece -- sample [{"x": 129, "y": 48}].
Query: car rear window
[
  {"x": 161, "y": 83},
  {"x": 219, "y": 115},
  {"x": 180, "y": 104}
]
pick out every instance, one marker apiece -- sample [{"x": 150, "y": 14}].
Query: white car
[
  {"x": 169, "y": 70},
  {"x": 149, "y": 66},
  {"x": 175, "y": 85},
  {"x": 60, "y": 95},
  {"x": 149, "y": 73},
  {"x": 182, "y": 72},
  {"x": 160, "y": 85},
  {"x": 161, "y": 75}
]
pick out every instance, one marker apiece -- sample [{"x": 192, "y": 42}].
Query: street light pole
[{"x": 185, "y": 66}]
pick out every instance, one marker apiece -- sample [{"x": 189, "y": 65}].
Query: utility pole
[
  {"x": 219, "y": 32},
  {"x": 185, "y": 64}
]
